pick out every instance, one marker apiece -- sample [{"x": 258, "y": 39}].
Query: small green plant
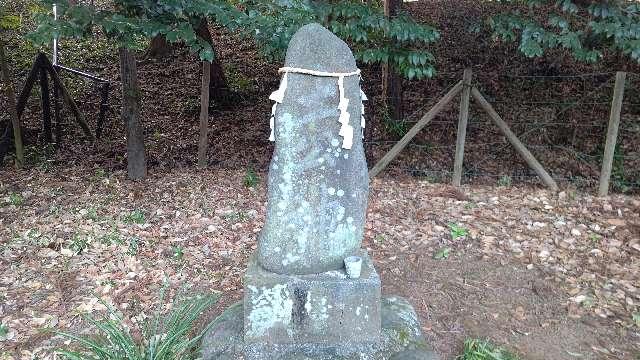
[
  {"x": 442, "y": 254},
  {"x": 251, "y": 178},
  {"x": 98, "y": 175},
  {"x": 619, "y": 180},
  {"x": 112, "y": 237},
  {"x": 237, "y": 81},
  {"x": 4, "y": 330},
  {"x": 134, "y": 244},
  {"x": 178, "y": 253},
  {"x": 595, "y": 238},
  {"x": 79, "y": 243},
  {"x": 475, "y": 349},
  {"x": 470, "y": 205},
  {"x": 54, "y": 210},
  {"x": 16, "y": 199},
  {"x": 168, "y": 337},
  {"x": 397, "y": 128},
  {"x": 379, "y": 239},
  {"x": 135, "y": 217},
  {"x": 636, "y": 319},
  {"x": 457, "y": 231},
  {"x": 505, "y": 181},
  {"x": 92, "y": 214}
]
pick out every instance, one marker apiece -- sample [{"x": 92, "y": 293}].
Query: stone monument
[{"x": 299, "y": 301}]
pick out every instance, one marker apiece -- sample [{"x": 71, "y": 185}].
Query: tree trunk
[
  {"x": 13, "y": 111},
  {"x": 159, "y": 47},
  {"x": 203, "y": 143},
  {"x": 131, "y": 97},
  {"x": 218, "y": 82},
  {"x": 391, "y": 81}
]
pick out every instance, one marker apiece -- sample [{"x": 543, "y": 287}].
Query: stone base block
[
  {"x": 327, "y": 308},
  {"x": 401, "y": 339}
]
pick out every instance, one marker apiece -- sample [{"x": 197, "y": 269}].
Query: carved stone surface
[
  {"x": 401, "y": 339},
  {"x": 317, "y": 191},
  {"x": 327, "y": 308}
]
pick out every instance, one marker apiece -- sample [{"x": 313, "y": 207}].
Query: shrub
[{"x": 168, "y": 338}]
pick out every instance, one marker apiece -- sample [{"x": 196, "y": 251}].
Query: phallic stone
[{"x": 317, "y": 191}]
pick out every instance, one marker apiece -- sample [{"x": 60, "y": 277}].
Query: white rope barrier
[{"x": 346, "y": 130}]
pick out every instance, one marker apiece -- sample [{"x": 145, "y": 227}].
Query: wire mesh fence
[{"x": 562, "y": 119}]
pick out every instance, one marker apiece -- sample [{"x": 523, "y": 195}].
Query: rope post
[
  {"x": 513, "y": 139},
  {"x": 462, "y": 128},
  {"x": 426, "y": 119},
  {"x": 612, "y": 133}
]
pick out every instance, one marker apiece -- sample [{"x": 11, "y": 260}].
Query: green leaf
[{"x": 442, "y": 254}]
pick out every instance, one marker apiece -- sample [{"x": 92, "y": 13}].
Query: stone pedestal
[
  {"x": 325, "y": 316},
  {"x": 400, "y": 339},
  {"x": 327, "y": 309}
]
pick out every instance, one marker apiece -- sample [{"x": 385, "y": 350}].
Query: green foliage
[
  {"x": 457, "y": 231},
  {"x": 16, "y": 199},
  {"x": 3, "y": 331},
  {"x": 178, "y": 252},
  {"x": 442, "y": 254},
  {"x": 251, "y": 178},
  {"x": 9, "y": 22},
  {"x": 130, "y": 21},
  {"x": 396, "y": 128},
  {"x": 79, "y": 243},
  {"x": 135, "y": 217},
  {"x": 163, "y": 338},
  {"x": 237, "y": 81},
  {"x": 134, "y": 245},
  {"x": 399, "y": 42},
  {"x": 113, "y": 237},
  {"x": 475, "y": 349},
  {"x": 585, "y": 28},
  {"x": 618, "y": 174},
  {"x": 505, "y": 181}
]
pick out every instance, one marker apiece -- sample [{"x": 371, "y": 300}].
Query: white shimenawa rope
[{"x": 346, "y": 130}]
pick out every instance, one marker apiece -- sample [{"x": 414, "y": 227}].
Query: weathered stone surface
[
  {"x": 224, "y": 341},
  {"x": 327, "y": 308},
  {"x": 402, "y": 340},
  {"x": 317, "y": 191},
  {"x": 414, "y": 355}
]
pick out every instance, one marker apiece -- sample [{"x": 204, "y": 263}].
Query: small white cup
[{"x": 353, "y": 264}]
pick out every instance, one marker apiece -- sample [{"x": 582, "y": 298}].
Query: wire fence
[{"x": 562, "y": 119}]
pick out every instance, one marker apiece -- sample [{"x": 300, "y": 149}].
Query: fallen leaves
[{"x": 121, "y": 241}]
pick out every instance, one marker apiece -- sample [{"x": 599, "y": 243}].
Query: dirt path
[{"x": 549, "y": 276}]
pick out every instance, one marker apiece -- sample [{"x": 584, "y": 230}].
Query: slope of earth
[
  {"x": 564, "y": 126},
  {"x": 552, "y": 276}
]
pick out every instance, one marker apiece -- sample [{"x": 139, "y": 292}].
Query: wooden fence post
[
  {"x": 513, "y": 139},
  {"x": 612, "y": 133},
  {"x": 397, "y": 148},
  {"x": 462, "y": 128},
  {"x": 203, "y": 141},
  {"x": 46, "y": 106},
  {"x": 66, "y": 96},
  {"x": 13, "y": 111}
]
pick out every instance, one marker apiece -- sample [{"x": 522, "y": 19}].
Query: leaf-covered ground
[{"x": 552, "y": 276}]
